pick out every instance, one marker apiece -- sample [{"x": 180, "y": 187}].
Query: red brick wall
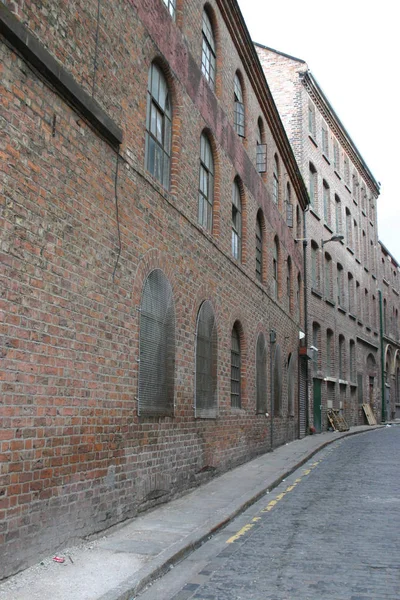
[{"x": 74, "y": 456}]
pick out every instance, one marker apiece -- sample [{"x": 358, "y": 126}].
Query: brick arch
[
  {"x": 216, "y": 226},
  {"x": 176, "y": 103}
]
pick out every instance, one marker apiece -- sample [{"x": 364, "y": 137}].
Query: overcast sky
[{"x": 352, "y": 48}]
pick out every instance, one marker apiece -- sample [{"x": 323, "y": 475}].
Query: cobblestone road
[{"x": 330, "y": 531}]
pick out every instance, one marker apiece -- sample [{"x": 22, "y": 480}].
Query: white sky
[{"x": 352, "y": 48}]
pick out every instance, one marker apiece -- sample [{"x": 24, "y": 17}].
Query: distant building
[
  {"x": 152, "y": 286},
  {"x": 343, "y": 279}
]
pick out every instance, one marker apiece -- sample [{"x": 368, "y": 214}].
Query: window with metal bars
[
  {"x": 158, "y": 125},
  {"x": 278, "y": 381},
  {"x": 206, "y": 184},
  {"x": 236, "y": 399},
  {"x": 171, "y": 6},
  {"x": 208, "y": 55},
  {"x": 206, "y": 363},
  {"x": 259, "y": 253},
  {"x": 261, "y": 374},
  {"x": 156, "y": 347},
  {"x": 239, "y": 119},
  {"x": 236, "y": 222}
]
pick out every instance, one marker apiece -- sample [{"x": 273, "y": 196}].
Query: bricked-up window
[
  {"x": 350, "y": 292},
  {"x": 278, "y": 381},
  {"x": 328, "y": 277},
  {"x": 171, "y": 5},
  {"x": 208, "y": 51},
  {"x": 338, "y": 214},
  {"x": 340, "y": 286},
  {"x": 342, "y": 372},
  {"x": 236, "y": 222},
  {"x": 236, "y": 400},
  {"x": 326, "y": 200},
  {"x": 336, "y": 156},
  {"x": 206, "y": 363},
  {"x": 158, "y": 124},
  {"x": 352, "y": 361},
  {"x": 259, "y": 248},
  {"x": 325, "y": 140},
  {"x": 311, "y": 119},
  {"x": 275, "y": 269},
  {"x": 261, "y": 149},
  {"x": 261, "y": 374},
  {"x": 275, "y": 180},
  {"x": 239, "y": 107},
  {"x": 346, "y": 170},
  {"x": 313, "y": 186},
  {"x": 291, "y": 370},
  {"x": 329, "y": 352},
  {"x": 206, "y": 184},
  {"x": 156, "y": 347}
]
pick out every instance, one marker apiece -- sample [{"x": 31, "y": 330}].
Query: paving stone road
[{"x": 330, "y": 531}]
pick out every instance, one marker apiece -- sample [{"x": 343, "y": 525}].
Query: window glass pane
[{"x": 206, "y": 363}]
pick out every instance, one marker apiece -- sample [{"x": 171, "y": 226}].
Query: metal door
[{"x": 317, "y": 404}]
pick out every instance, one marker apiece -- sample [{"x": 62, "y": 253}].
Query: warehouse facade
[{"x": 152, "y": 286}]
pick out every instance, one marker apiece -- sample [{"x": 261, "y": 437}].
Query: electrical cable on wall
[{"x": 117, "y": 215}]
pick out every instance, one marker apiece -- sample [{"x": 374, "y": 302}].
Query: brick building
[
  {"x": 343, "y": 278},
  {"x": 152, "y": 288},
  {"x": 390, "y": 328}
]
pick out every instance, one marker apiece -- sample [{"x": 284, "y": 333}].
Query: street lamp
[{"x": 334, "y": 238}]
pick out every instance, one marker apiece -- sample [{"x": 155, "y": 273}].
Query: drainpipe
[
  {"x": 272, "y": 340},
  {"x": 382, "y": 356},
  {"x": 305, "y": 285}
]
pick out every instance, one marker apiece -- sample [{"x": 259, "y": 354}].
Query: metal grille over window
[
  {"x": 236, "y": 223},
  {"x": 158, "y": 134},
  {"x": 258, "y": 250},
  {"x": 278, "y": 381},
  {"x": 206, "y": 185},
  {"x": 206, "y": 363},
  {"x": 208, "y": 51},
  {"x": 261, "y": 374},
  {"x": 157, "y": 347},
  {"x": 239, "y": 107},
  {"x": 171, "y": 5},
  {"x": 235, "y": 370}
]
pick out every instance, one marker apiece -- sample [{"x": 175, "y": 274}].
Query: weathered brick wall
[
  {"x": 360, "y": 324},
  {"x": 75, "y": 457}
]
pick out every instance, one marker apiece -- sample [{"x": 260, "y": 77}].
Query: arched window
[
  {"x": 236, "y": 222},
  {"x": 261, "y": 149},
  {"x": 261, "y": 374},
  {"x": 326, "y": 199},
  {"x": 156, "y": 347},
  {"x": 208, "y": 51},
  {"x": 206, "y": 363},
  {"x": 289, "y": 206},
  {"x": 259, "y": 248},
  {"x": 275, "y": 269},
  {"x": 329, "y": 352},
  {"x": 236, "y": 397},
  {"x": 316, "y": 342},
  {"x": 158, "y": 127},
  {"x": 239, "y": 107},
  {"x": 313, "y": 186},
  {"x": 338, "y": 214},
  {"x": 206, "y": 185},
  {"x": 315, "y": 271},
  {"x": 275, "y": 180},
  {"x": 352, "y": 361},
  {"x": 289, "y": 282},
  {"x": 342, "y": 372},
  {"x": 299, "y": 231},
  {"x": 350, "y": 293},
  {"x": 328, "y": 277},
  {"x": 340, "y": 289},
  {"x": 298, "y": 298}
]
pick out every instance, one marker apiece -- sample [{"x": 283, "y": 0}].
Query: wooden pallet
[
  {"x": 369, "y": 414},
  {"x": 336, "y": 420}
]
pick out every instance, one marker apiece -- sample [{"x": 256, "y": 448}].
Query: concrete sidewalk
[{"x": 120, "y": 564}]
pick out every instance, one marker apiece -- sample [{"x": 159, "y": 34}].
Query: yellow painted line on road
[{"x": 271, "y": 504}]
